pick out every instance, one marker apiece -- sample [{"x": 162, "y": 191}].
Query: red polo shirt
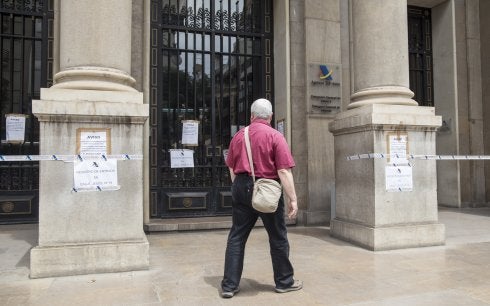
[{"x": 270, "y": 151}]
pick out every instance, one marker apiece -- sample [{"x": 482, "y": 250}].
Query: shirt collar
[{"x": 263, "y": 121}]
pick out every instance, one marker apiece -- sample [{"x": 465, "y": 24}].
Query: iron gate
[
  {"x": 209, "y": 61},
  {"x": 26, "y": 60},
  {"x": 420, "y": 54}
]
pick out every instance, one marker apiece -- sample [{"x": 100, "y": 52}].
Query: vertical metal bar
[
  {"x": 230, "y": 28},
  {"x": 22, "y": 57},
  {"x": 1, "y": 76},
  {"x": 263, "y": 53},
  {"x": 203, "y": 114},
  {"x": 44, "y": 48},
  {"x": 213, "y": 100},
  {"x": 245, "y": 17},
  {"x": 32, "y": 72},
  {"x": 202, "y": 106},
  {"x": 222, "y": 105},
  {"x": 194, "y": 91},
  {"x": 177, "y": 73},
  {"x": 271, "y": 35},
  {"x": 246, "y": 79},
  {"x": 252, "y": 17},
  {"x": 178, "y": 12},
  {"x": 221, "y": 15},
  {"x": 11, "y": 64},
  {"x": 158, "y": 149},
  {"x": 186, "y": 72},
  {"x": 170, "y": 111},
  {"x": 194, "y": 12},
  {"x": 236, "y": 109}
]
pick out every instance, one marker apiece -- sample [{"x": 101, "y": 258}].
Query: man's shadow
[{"x": 248, "y": 287}]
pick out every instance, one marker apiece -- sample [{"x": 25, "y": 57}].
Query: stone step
[{"x": 193, "y": 224}]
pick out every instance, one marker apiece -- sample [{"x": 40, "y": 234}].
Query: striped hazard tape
[
  {"x": 420, "y": 156},
  {"x": 68, "y": 158}
]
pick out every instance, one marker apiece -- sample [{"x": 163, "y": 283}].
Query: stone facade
[
  {"x": 364, "y": 40},
  {"x": 460, "y": 72},
  {"x": 318, "y": 32}
]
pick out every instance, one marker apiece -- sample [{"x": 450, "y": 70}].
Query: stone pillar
[
  {"x": 380, "y": 48},
  {"x": 95, "y": 45},
  {"x": 381, "y": 105},
  {"x": 94, "y": 231}
]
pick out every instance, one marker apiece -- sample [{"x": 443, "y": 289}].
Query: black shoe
[
  {"x": 229, "y": 294},
  {"x": 297, "y": 285}
]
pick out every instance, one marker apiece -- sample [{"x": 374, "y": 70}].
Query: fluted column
[
  {"x": 94, "y": 49},
  {"x": 380, "y": 49}
]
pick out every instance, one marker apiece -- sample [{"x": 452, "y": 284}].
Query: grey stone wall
[
  {"x": 315, "y": 39},
  {"x": 485, "y": 66},
  {"x": 137, "y": 43},
  {"x": 299, "y": 144}
]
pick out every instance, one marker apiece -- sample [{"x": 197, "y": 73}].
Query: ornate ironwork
[
  {"x": 201, "y": 17},
  {"x": 25, "y": 6}
]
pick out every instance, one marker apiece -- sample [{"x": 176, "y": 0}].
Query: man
[{"x": 272, "y": 159}]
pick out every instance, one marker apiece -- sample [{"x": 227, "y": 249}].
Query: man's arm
[
  {"x": 232, "y": 174},
  {"x": 287, "y": 182}
]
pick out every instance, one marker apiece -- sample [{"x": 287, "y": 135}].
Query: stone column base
[
  {"x": 367, "y": 212},
  {"x": 89, "y": 258},
  {"x": 389, "y": 238}
]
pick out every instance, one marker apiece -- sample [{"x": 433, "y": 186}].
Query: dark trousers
[{"x": 244, "y": 218}]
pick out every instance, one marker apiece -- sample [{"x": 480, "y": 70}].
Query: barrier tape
[
  {"x": 422, "y": 157},
  {"x": 96, "y": 188},
  {"x": 68, "y": 158}
]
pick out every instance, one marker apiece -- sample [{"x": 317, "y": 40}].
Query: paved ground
[{"x": 186, "y": 269}]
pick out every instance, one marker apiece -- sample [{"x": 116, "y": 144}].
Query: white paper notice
[
  {"x": 399, "y": 178},
  {"x": 15, "y": 127},
  {"x": 190, "y": 132},
  {"x": 280, "y": 127},
  {"x": 181, "y": 158},
  {"x": 93, "y": 142},
  {"x": 398, "y": 148},
  {"x": 95, "y": 175}
]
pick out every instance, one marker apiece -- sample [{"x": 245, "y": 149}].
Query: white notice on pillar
[
  {"x": 93, "y": 142},
  {"x": 398, "y": 178},
  {"x": 398, "y": 148},
  {"x": 95, "y": 175},
  {"x": 181, "y": 158}
]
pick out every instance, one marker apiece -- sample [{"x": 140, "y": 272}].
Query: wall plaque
[{"x": 324, "y": 89}]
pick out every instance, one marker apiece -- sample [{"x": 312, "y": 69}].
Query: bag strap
[{"x": 249, "y": 152}]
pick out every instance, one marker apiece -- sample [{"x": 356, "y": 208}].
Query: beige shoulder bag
[{"x": 267, "y": 192}]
